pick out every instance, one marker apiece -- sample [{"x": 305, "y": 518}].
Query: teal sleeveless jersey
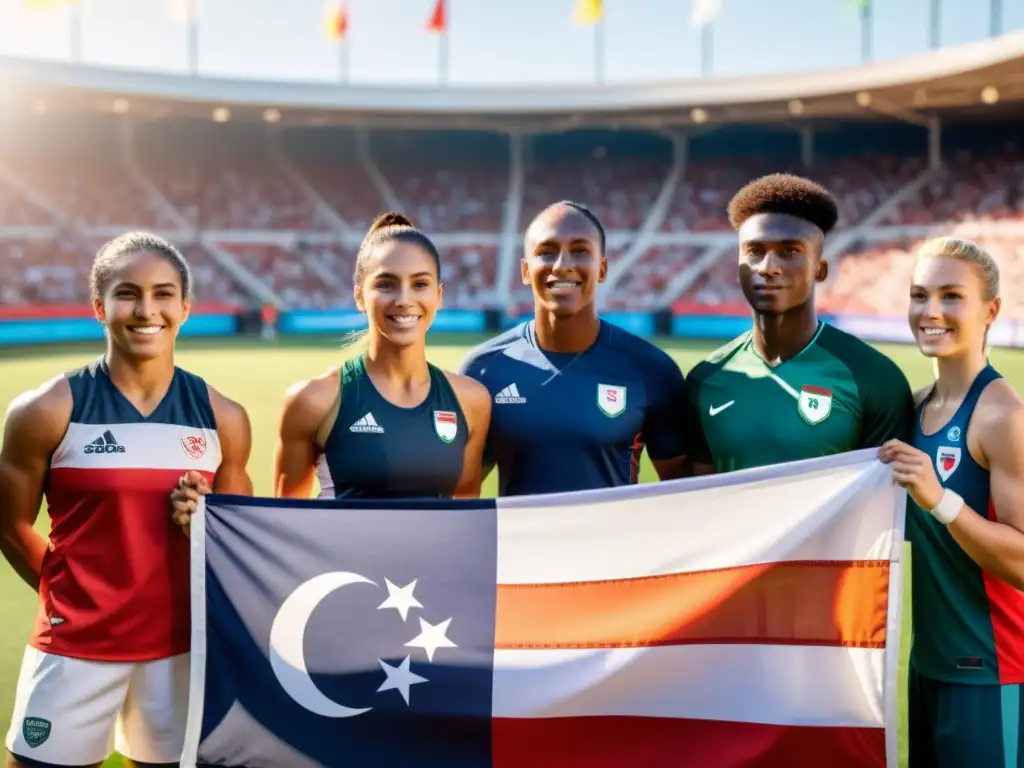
[
  {"x": 379, "y": 450},
  {"x": 968, "y": 624}
]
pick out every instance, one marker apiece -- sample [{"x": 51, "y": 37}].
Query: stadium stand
[{"x": 265, "y": 211}]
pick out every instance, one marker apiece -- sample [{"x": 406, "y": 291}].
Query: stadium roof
[{"x": 936, "y": 82}]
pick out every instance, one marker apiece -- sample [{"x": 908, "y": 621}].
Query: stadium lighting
[
  {"x": 272, "y": 116},
  {"x": 989, "y": 94},
  {"x": 698, "y": 115},
  {"x": 863, "y": 99},
  {"x": 796, "y": 107},
  {"x": 221, "y": 115},
  {"x": 120, "y": 106}
]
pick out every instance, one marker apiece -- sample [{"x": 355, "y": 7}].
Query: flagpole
[
  {"x": 442, "y": 56},
  {"x": 995, "y": 18},
  {"x": 193, "y": 37},
  {"x": 76, "y": 33},
  {"x": 934, "y": 23},
  {"x": 865, "y": 31},
  {"x": 599, "y": 51},
  {"x": 707, "y": 49}
]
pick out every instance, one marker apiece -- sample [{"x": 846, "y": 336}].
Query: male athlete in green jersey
[{"x": 792, "y": 387}]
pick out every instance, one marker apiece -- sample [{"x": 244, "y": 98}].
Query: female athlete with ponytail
[
  {"x": 386, "y": 423},
  {"x": 964, "y": 473}
]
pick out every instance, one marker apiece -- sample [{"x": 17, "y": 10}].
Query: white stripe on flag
[
  {"x": 838, "y": 509},
  {"x": 772, "y": 684}
]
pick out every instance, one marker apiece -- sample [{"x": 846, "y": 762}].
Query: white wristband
[{"x": 949, "y": 507}]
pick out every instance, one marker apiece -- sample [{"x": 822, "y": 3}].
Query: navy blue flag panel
[{"x": 363, "y": 637}]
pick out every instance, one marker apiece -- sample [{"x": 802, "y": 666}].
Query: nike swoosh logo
[{"x": 714, "y": 411}]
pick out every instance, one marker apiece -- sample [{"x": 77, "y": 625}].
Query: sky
[{"x": 500, "y": 42}]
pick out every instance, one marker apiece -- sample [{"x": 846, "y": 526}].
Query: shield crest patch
[
  {"x": 946, "y": 461},
  {"x": 814, "y": 404},
  {"x": 36, "y": 730},
  {"x": 193, "y": 445},
  {"x": 446, "y": 425},
  {"x": 611, "y": 399}
]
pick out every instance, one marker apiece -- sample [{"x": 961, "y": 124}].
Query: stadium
[{"x": 268, "y": 188}]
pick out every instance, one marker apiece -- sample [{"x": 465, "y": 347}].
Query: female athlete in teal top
[
  {"x": 964, "y": 473},
  {"x": 387, "y": 424}
]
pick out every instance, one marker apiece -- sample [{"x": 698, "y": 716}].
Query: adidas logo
[
  {"x": 509, "y": 396},
  {"x": 366, "y": 424},
  {"x": 105, "y": 444}
]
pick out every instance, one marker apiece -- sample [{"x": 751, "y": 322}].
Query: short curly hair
[{"x": 785, "y": 193}]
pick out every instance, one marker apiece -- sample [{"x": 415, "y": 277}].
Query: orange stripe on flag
[{"x": 790, "y": 603}]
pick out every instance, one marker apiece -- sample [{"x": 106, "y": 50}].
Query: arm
[
  {"x": 471, "y": 369},
  {"x": 36, "y": 423},
  {"x": 476, "y": 405},
  {"x": 997, "y": 546},
  {"x": 235, "y": 434},
  {"x": 887, "y": 407},
  {"x": 306, "y": 406},
  {"x": 672, "y": 429}
]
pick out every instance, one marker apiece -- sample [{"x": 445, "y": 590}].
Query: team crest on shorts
[
  {"x": 946, "y": 461},
  {"x": 193, "y": 445},
  {"x": 611, "y": 399},
  {"x": 446, "y": 425},
  {"x": 36, "y": 730},
  {"x": 814, "y": 404}
]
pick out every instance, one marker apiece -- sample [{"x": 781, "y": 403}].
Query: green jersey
[{"x": 838, "y": 394}]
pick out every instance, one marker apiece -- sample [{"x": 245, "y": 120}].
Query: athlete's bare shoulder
[
  {"x": 231, "y": 415},
  {"x": 468, "y": 389},
  {"x": 307, "y": 403},
  {"x": 998, "y": 404},
  {"x": 40, "y": 416},
  {"x": 473, "y": 396},
  {"x": 997, "y": 423}
]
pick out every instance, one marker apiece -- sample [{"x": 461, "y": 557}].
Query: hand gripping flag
[{"x": 746, "y": 619}]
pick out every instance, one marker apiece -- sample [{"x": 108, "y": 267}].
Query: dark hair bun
[{"x": 391, "y": 219}]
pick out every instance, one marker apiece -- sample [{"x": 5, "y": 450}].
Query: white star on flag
[
  {"x": 432, "y": 637},
  {"x": 400, "y": 598},
  {"x": 399, "y": 678}
]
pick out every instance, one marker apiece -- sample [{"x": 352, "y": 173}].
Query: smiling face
[
  {"x": 400, "y": 291},
  {"x": 949, "y": 307},
  {"x": 142, "y": 305},
  {"x": 564, "y": 261},
  {"x": 780, "y": 262}
]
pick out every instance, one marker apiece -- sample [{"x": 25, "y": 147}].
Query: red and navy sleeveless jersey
[
  {"x": 968, "y": 623},
  {"x": 115, "y": 582}
]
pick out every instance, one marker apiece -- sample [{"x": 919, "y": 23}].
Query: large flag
[{"x": 746, "y": 619}]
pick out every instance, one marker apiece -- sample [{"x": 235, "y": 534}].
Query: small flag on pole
[
  {"x": 336, "y": 20},
  {"x": 705, "y": 12},
  {"x": 588, "y": 12},
  {"x": 438, "y": 21}
]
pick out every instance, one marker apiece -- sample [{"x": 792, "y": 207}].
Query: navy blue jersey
[{"x": 577, "y": 421}]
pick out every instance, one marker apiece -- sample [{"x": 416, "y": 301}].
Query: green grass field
[{"x": 256, "y": 374}]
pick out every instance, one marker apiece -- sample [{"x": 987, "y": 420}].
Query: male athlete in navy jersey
[{"x": 576, "y": 400}]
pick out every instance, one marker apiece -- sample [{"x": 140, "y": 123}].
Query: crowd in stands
[{"x": 250, "y": 196}]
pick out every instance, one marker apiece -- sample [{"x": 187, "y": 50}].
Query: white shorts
[{"x": 76, "y": 712}]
